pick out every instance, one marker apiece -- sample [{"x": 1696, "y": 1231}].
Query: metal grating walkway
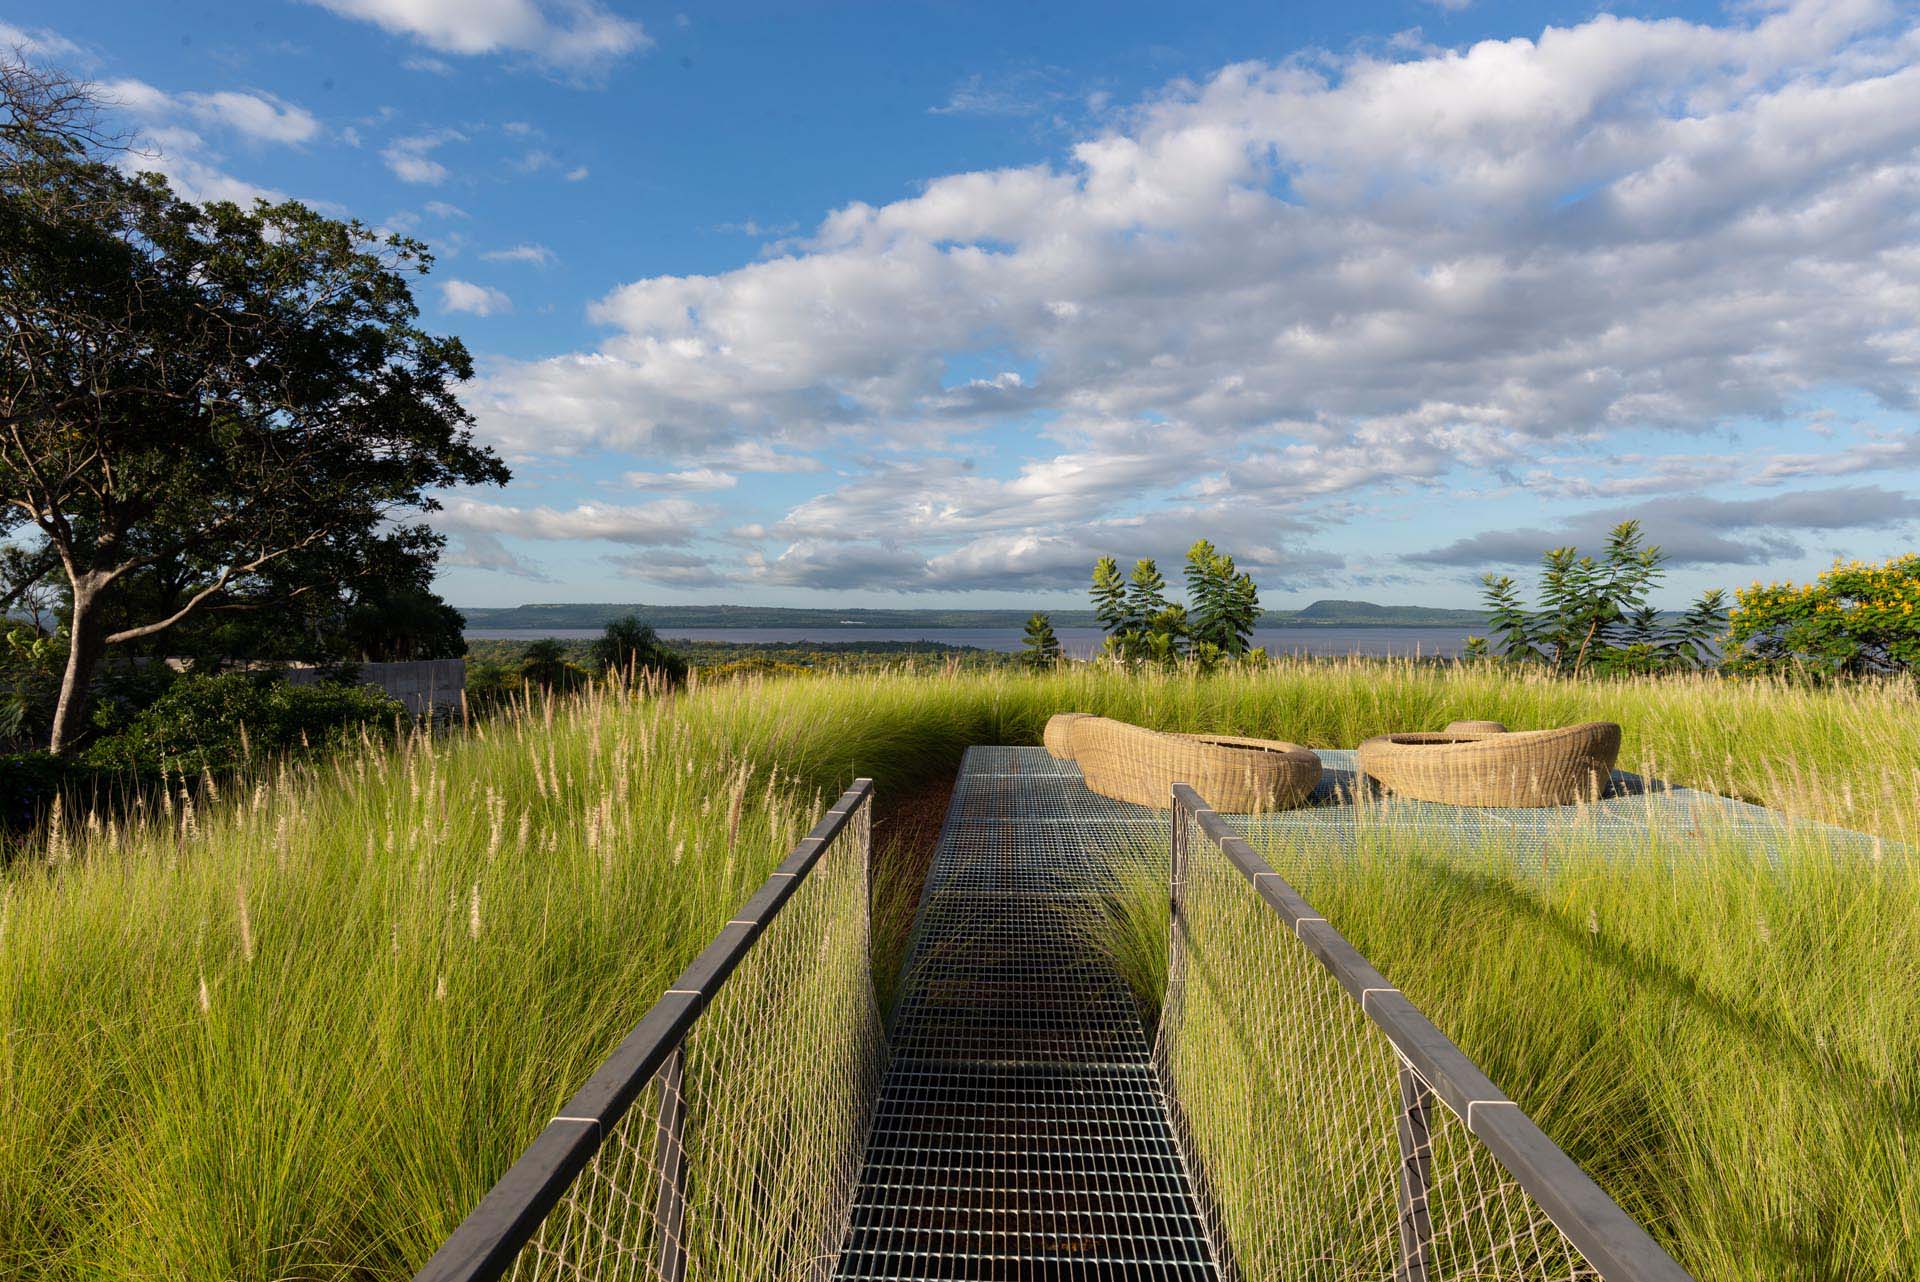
[{"x": 1020, "y": 1131}]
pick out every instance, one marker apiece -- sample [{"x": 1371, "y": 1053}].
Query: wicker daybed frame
[
  {"x": 1236, "y": 775},
  {"x": 1518, "y": 768},
  {"x": 1058, "y": 735}
]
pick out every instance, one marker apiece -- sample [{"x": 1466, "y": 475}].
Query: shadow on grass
[{"x": 1772, "y": 1036}]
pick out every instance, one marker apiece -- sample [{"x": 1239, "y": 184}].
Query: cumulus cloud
[
  {"x": 693, "y": 478},
  {"x": 1310, "y": 283},
  {"x": 538, "y": 255},
  {"x": 668, "y": 521},
  {"x": 1695, "y": 530},
  {"x": 39, "y": 43},
  {"x": 481, "y": 550},
  {"x": 410, "y": 157},
  {"x": 480, "y": 300},
  {"x": 255, "y": 116},
  {"x": 669, "y": 568},
  {"x": 184, "y": 136},
  {"x": 581, "y": 36},
  {"x": 1888, "y": 451}
]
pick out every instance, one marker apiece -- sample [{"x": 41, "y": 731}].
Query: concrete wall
[{"x": 418, "y": 683}]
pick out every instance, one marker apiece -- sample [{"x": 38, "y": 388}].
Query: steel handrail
[
  {"x": 486, "y": 1243},
  {"x": 1611, "y": 1240}
]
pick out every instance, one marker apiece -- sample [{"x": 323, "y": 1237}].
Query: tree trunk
[{"x": 86, "y": 642}]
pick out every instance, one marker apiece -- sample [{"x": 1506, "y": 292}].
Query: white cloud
[
  {"x": 669, "y": 568},
  {"x": 39, "y": 43},
  {"x": 580, "y": 36},
  {"x": 1300, "y": 283},
  {"x": 667, "y": 521},
  {"x": 480, "y": 300},
  {"x": 480, "y": 550},
  {"x": 441, "y": 209},
  {"x": 759, "y": 456},
  {"x": 1698, "y": 531},
  {"x": 172, "y": 135},
  {"x": 410, "y": 157},
  {"x": 431, "y": 66},
  {"x": 538, "y": 255},
  {"x": 254, "y": 116},
  {"x": 693, "y": 478},
  {"x": 1882, "y": 452},
  {"x": 577, "y": 173}
]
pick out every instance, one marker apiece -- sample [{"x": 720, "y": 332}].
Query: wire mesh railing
[
  {"x": 1331, "y": 1130},
  {"x": 722, "y": 1139}
]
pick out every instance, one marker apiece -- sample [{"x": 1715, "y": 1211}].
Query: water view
[{"x": 1080, "y": 643}]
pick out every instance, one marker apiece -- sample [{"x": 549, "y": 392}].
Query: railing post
[
  {"x": 1416, "y": 1174},
  {"x": 670, "y": 1160},
  {"x": 1177, "y": 862}
]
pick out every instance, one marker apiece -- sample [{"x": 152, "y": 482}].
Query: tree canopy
[
  {"x": 198, "y": 400},
  {"x": 1594, "y": 615},
  {"x": 1856, "y": 620},
  {"x": 1040, "y": 646},
  {"x": 1143, "y": 626},
  {"x": 630, "y": 647}
]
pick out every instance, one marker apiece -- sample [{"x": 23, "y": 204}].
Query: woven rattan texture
[
  {"x": 1020, "y": 1132},
  {"x": 1133, "y": 764},
  {"x": 1522, "y": 768}
]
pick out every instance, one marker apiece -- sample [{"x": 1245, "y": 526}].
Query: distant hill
[
  {"x": 1342, "y": 614},
  {"x": 1349, "y": 614}
]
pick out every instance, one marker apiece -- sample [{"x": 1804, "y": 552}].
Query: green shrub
[
  {"x": 216, "y": 723},
  {"x": 1856, "y": 620},
  {"x": 630, "y": 647},
  {"x": 490, "y": 685},
  {"x": 29, "y": 781}
]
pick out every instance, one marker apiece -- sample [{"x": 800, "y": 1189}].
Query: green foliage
[
  {"x": 544, "y": 664},
  {"x": 369, "y": 1036},
  {"x": 29, "y": 682},
  {"x": 1721, "y": 1040},
  {"x": 207, "y": 406},
  {"x": 1222, "y": 601},
  {"x": 1594, "y": 616},
  {"x": 1856, "y": 620},
  {"x": 633, "y": 650},
  {"x": 219, "y": 723},
  {"x": 1040, "y": 648},
  {"x": 29, "y": 782},
  {"x": 1110, "y": 599},
  {"x": 1143, "y": 627}
]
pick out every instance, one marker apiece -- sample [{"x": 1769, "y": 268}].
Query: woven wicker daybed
[
  {"x": 1235, "y": 775},
  {"x": 1058, "y": 736},
  {"x": 1491, "y": 768}
]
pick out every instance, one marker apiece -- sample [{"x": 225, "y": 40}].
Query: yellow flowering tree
[{"x": 1855, "y": 620}]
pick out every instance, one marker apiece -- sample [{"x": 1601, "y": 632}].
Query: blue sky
[{"x": 932, "y": 304}]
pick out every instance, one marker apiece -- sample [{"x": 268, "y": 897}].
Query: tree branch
[{"x": 211, "y": 590}]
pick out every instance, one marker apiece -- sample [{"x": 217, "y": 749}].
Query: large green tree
[
  {"x": 1223, "y": 602},
  {"x": 1594, "y": 615},
  {"x": 630, "y": 647},
  {"x": 203, "y": 391}
]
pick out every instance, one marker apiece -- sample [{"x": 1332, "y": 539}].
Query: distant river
[{"x": 1078, "y": 642}]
